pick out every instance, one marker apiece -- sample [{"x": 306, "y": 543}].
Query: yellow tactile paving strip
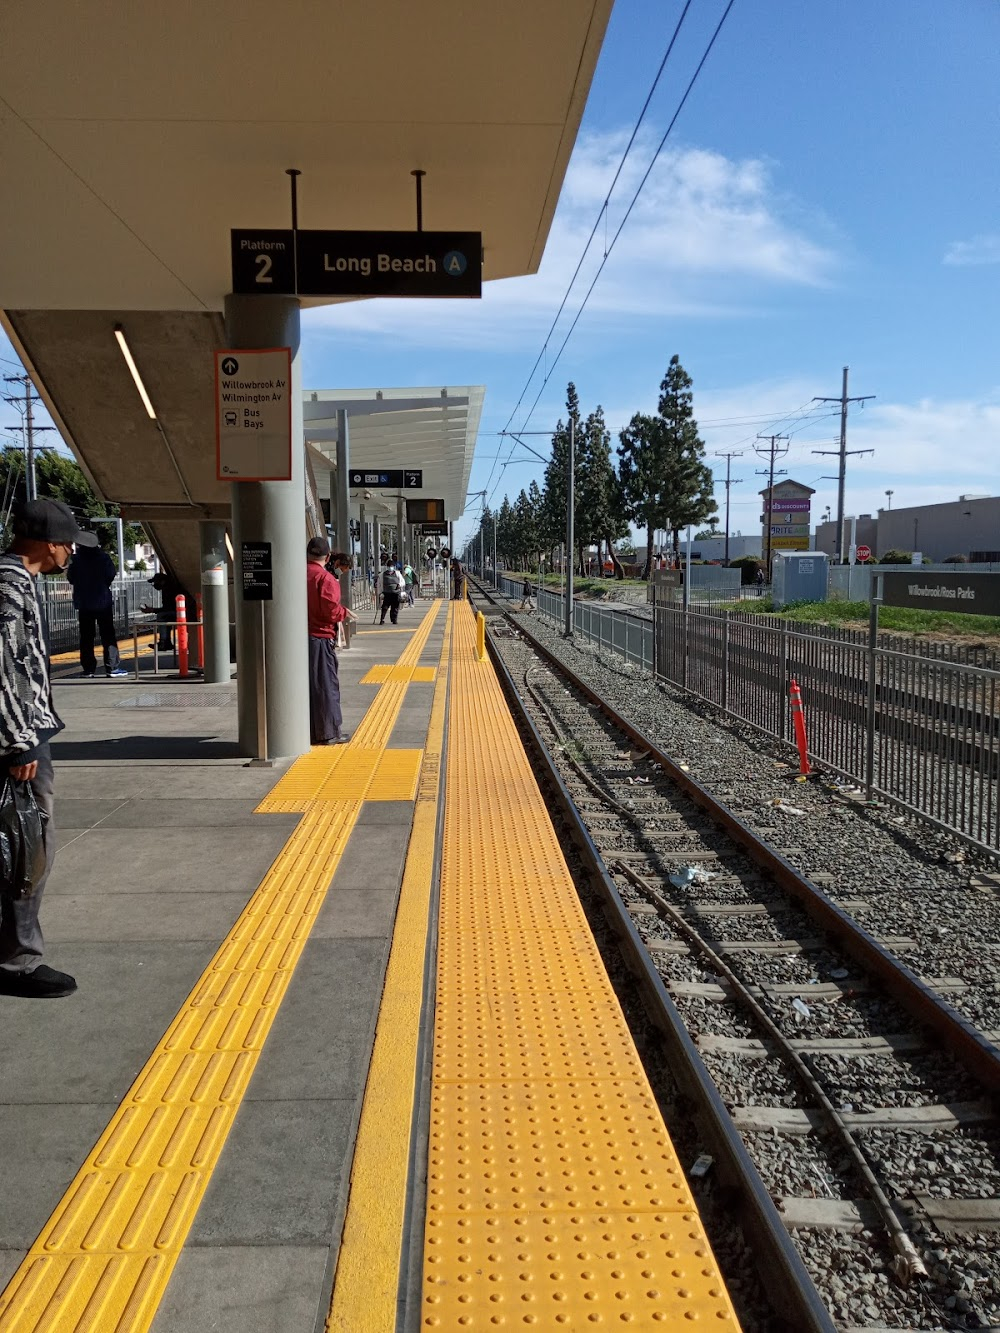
[
  {"x": 366, "y": 1285},
  {"x": 103, "y": 1259},
  {"x": 380, "y": 675},
  {"x": 554, "y": 1196}
]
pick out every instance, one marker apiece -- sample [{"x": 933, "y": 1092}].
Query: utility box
[{"x": 798, "y": 576}]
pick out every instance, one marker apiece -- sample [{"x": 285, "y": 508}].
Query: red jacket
[{"x": 325, "y": 609}]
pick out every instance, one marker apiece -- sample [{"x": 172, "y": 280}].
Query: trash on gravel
[
  {"x": 786, "y": 808},
  {"x": 839, "y": 973},
  {"x": 802, "y": 1010},
  {"x": 701, "y": 1165},
  {"x": 637, "y": 782},
  {"x": 688, "y": 874}
]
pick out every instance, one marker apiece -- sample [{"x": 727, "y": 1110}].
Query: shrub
[
  {"x": 955, "y": 560},
  {"x": 894, "y": 557},
  {"x": 748, "y": 566}
]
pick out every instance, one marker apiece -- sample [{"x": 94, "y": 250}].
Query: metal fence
[
  {"x": 910, "y": 722},
  {"x": 56, "y": 597}
]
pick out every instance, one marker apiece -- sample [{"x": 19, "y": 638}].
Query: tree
[
  {"x": 707, "y": 534},
  {"x": 61, "y": 478},
  {"x": 554, "y": 496},
  {"x": 664, "y": 479},
  {"x": 599, "y": 517},
  {"x": 505, "y": 532}
]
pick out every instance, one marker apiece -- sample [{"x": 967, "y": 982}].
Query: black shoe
[
  {"x": 89, "y": 675},
  {"x": 44, "y": 983}
]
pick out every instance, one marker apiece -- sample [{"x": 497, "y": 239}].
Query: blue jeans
[{"x": 21, "y": 942}]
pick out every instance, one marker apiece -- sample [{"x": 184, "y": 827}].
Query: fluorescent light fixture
[
  {"x": 229, "y": 548},
  {"x": 134, "y": 371}
]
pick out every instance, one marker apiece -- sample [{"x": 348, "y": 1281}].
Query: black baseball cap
[
  {"x": 317, "y": 548},
  {"x": 49, "y": 521}
]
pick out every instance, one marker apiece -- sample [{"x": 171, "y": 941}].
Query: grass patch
[{"x": 903, "y": 619}]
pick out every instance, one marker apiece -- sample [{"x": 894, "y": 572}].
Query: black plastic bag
[{"x": 22, "y": 840}]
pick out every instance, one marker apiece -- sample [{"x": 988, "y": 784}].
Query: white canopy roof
[{"x": 433, "y": 429}]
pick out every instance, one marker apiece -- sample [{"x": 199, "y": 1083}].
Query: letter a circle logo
[{"x": 455, "y": 263}]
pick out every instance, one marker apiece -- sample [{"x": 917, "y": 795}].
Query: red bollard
[
  {"x": 799, "y": 719},
  {"x": 201, "y": 633},
  {"x": 182, "y": 635}
]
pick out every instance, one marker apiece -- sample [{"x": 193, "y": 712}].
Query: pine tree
[
  {"x": 556, "y": 473},
  {"x": 664, "y": 480}
]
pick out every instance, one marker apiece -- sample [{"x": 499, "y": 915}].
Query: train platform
[{"x": 344, "y": 1053}]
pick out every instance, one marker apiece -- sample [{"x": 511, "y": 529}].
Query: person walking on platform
[
  {"x": 527, "y": 596},
  {"x": 409, "y": 579},
  {"x": 390, "y": 594},
  {"x": 456, "y": 579},
  {"x": 45, "y": 532},
  {"x": 325, "y": 612},
  {"x": 92, "y": 572}
]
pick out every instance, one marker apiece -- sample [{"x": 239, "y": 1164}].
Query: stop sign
[{"x": 864, "y": 552}]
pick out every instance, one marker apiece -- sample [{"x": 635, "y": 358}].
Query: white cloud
[
  {"x": 706, "y": 238},
  {"x": 980, "y": 250}
]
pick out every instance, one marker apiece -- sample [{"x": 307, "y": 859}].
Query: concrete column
[
  {"x": 400, "y": 529},
  {"x": 377, "y": 542},
  {"x": 214, "y": 601},
  {"x": 273, "y": 511}
]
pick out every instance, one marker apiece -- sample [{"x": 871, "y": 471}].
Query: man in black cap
[{"x": 45, "y": 532}]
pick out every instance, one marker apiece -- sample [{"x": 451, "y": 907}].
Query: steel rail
[
  {"x": 961, "y": 1037},
  {"x": 797, "y": 1305}
]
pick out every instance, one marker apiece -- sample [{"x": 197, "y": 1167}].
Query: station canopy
[{"x": 430, "y": 429}]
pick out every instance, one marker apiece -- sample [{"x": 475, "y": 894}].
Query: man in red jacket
[{"x": 325, "y": 611}]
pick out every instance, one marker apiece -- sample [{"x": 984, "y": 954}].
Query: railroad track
[{"x": 862, "y": 1098}]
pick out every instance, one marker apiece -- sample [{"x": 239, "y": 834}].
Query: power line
[
  {"x": 602, "y": 213},
  {"x": 774, "y": 451},
  {"x": 29, "y": 428},
  {"x": 729, "y": 483}
]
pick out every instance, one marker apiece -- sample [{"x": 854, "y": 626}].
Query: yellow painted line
[
  {"x": 381, "y": 675},
  {"x": 124, "y": 647},
  {"x": 554, "y": 1195},
  {"x": 102, "y": 1261},
  {"x": 368, "y": 1265}
]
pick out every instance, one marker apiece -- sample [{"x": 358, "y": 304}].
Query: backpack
[{"x": 389, "y": 584}]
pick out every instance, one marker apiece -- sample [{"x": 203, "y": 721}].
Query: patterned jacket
[{"x": 27, "y": 717}]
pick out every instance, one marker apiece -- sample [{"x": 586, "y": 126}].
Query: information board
[
  {"x": 255, "y": 571},
  {"x": 407, "y": 479},
  {"x": 424, "y": 511},
  {"x": 253, "y": 414},
  {"x": 357, "y": 263}
]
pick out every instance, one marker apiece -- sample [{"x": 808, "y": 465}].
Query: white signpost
[{"x": 253, "y": 414}]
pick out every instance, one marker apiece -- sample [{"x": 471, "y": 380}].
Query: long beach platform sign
[
  {"x": 974, "y": 594},
  {"x": 253, "y": 414},
  {"x": 275, "y": 262}
]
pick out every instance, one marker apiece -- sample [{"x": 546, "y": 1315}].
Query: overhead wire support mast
[
  {"x": 728, "y": 484},
  {"x": 29, "y": 429},
  {"x": 774, "y": 452},
  {"x": 842, "y": 453}
]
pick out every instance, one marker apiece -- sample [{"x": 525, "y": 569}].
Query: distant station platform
[{"x": 344, "y": 1054}]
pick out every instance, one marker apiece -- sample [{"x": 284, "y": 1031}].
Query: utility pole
[
  {"x": 570, "y": 503},
  {"x": 774, "y": 451},
  {"x": 888, "y": 499},
  {"x": 843, "y": 453},
  {"x": 29, "y": 428},
  {"x": 729, "y": 458}
]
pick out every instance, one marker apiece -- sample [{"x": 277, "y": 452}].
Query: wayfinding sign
[
  {"x": 357, "y": 263},
  {"x": 255, "y": 565},
  {"x": 407, "y": 479},
  {"x": 976, "y": 594},
  {"x": 253, "y": 414}
]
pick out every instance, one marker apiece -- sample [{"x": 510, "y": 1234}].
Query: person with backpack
[
  {"x": 390, "y": 593},
  {"x": 527, "y": 597},
  {"x": 409, "y": 579}
]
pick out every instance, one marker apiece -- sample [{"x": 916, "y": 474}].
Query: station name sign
[
  {"x": 975, "y": 594},
  {"x": 274, "y": 262}
]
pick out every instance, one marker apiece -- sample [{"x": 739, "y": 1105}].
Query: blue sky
[{"x": 828, "y": 197}]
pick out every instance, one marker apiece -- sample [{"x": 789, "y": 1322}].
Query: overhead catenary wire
[{"x": 601, "y": 214}]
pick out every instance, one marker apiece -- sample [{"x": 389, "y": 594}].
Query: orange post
[
  {"x": 201, "y": 633},
  {"x": 799, "y": 719},
  {"x": 182, "y": 635}
]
